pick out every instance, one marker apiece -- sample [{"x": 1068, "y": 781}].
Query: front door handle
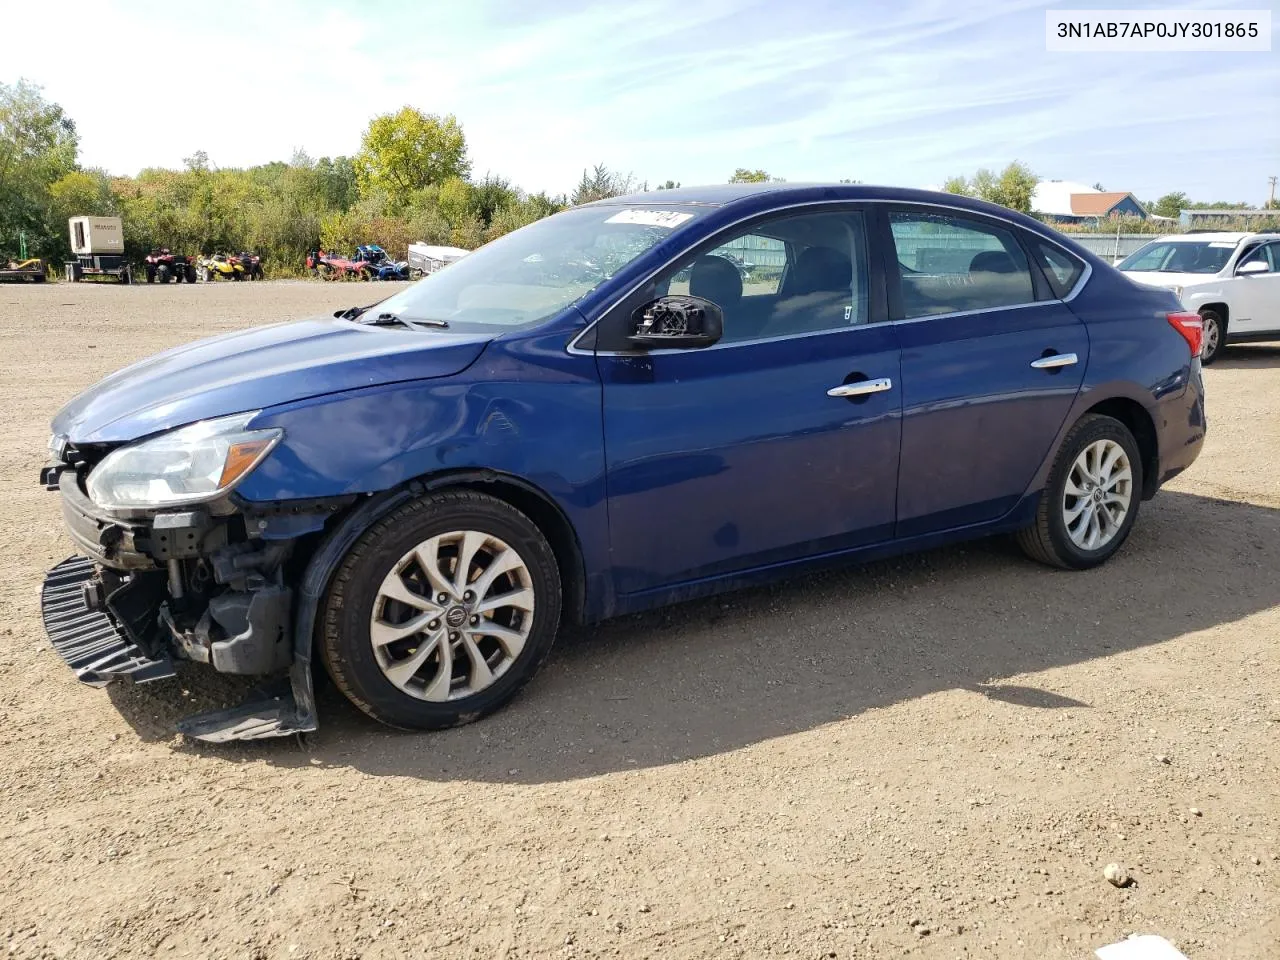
[
  {"x": 1056, "y": 360},
  {"x": 861, "y": 387}
]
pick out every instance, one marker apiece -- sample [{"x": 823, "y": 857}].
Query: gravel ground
[{"x": 936, "y": 756}]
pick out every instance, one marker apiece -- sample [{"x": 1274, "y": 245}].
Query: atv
[
  {"x": 163, "y": 265},
  {"x": 250, "y": 264},
  {"x": 383, "y": 267},
  {"x": 219, "y": 265},
  {"x": 326, "y": 266}
]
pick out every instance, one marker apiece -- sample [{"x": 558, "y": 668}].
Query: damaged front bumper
[{"x": 206, "y": 584}]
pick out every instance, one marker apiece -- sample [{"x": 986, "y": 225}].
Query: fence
[{"x": 1111, "y": 246}]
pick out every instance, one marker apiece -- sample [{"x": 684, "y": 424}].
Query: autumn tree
[{"x": 405, "y": 151}]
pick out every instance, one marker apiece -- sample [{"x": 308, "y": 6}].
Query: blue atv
[{"x": 379, "y": 266}]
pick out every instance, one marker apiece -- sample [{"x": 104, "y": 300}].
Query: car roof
[
  {"x": 1204, "y": 237},
  {"x": 724, "y": 194}
]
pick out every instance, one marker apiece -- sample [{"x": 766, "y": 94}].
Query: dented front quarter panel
[{"x": 526, "y": 408}]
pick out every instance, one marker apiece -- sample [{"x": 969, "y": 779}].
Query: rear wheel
[
  {"x": 191, "y": 273},
  {"x": 1214, "y": 339},
  {"x": 1091, "y": 500},
  {"x": 162, "y": 274},
  {"x": 442, "y": 611}
]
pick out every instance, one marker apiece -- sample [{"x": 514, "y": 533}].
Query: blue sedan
[{"x": 628, "y": 404}]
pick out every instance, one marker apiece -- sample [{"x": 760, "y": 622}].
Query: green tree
[
  {"x": 405, "y": 151},
  {"x": 669, "y": 185},
  {"x": 1011, "y": 187},
  {"x": 743, "y": 175},
  {"x": 457, "y": 201},
  {"x": 600, "y": 183},
  {"x": 1014, "y": 187},
  {"x": 38, "y": 145},
  {"x": 1171, "y": 204}
]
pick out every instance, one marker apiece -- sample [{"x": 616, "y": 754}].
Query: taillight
[{"x": 1191, "y": 326}]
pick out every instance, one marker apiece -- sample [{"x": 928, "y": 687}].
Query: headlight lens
[{"x": 189, "y": 465}]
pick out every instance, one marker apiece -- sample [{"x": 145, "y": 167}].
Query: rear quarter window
[{"x": 1061, "y": 269}]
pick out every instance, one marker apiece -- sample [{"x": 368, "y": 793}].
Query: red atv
[
  {"x": 327, "y": 266},
  {"x": 163, "y": 265}
]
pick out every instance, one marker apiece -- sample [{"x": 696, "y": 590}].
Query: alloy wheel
[
  {"x": 1098, "y": 494},
  {"x": 452, "y": 616},
  {"x": 1210, "y": 336}
]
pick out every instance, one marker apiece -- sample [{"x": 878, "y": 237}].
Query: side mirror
[
  {"x": 1251, "y": 268},
  {"x": 677, "y": 321}
]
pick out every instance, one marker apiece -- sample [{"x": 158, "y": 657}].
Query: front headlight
[{"x": 190, "y": 465}]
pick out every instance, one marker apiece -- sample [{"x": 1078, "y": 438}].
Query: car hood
[
  {"x": 258, "y": 368},
  {"x": 1167, "y": 280}
]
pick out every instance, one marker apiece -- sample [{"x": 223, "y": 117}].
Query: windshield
[
  {"x": 532, "y": 274},
  {"x": 1184, "y": 256}
]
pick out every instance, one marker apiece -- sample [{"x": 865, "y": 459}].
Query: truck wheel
[{"x": 442, "y": 611}]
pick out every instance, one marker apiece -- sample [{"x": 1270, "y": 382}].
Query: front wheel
[
  {"x": 1091, "y": 500},
  {"x": 441, "y": 611},
  {"x": 1214, "y": 339}
]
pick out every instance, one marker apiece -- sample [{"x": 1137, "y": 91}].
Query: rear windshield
[{"x": 530, "y": 275}]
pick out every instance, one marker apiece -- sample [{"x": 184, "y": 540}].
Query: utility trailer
[
  {"x": 425, "y": 258},
  {"x": 97, "y": 243}
]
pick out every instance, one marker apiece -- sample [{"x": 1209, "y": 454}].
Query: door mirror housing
[
  {"x": 1251, "y": 268},
  {"x": 677, "y": 321}
]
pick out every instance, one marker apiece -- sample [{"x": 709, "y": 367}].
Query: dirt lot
[{"x": 934, "y": 757}]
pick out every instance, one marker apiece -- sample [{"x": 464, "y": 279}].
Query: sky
[{"x": 901, "y": 93}]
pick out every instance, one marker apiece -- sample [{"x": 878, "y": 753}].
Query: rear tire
[
  {"x": 162, "y": 274},
  {"x": 470, "y": 652},
  {"x": 191, "y": 273},
  {"x": 1214, "y": 337},
  {"x": 1098, "y": 466}
]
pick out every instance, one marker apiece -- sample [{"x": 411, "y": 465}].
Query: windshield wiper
[{"x": 386, "y": 319}]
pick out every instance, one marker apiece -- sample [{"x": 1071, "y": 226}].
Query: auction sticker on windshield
[{"x": 651, "y": 218}]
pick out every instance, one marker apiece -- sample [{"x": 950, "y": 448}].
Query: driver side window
[
  {"x": 1267, "y": 253},
  {"x": 786, "y": 277}
]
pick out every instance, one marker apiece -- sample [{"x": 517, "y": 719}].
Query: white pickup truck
[{"x": 1231, "y": 279}]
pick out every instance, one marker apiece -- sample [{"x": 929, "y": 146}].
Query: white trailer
[
  {"x": 425, "y": 258},
  {"x": 97, "y": 243}
]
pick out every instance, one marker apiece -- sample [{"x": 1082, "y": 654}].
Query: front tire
[
  {"x": 441, "y": 611},
  {"x": 1214, "y": 338},
  {"x": 1090, "y": 503}
]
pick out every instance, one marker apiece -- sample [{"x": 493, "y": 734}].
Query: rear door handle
[
  {"x": 861, "y": 387},
  {"x": 1055, "y": 360}
]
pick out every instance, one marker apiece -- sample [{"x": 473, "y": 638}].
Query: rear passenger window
[
  {"x": 953, "y": 264},
  {"x": 1060, "y": 268}
]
